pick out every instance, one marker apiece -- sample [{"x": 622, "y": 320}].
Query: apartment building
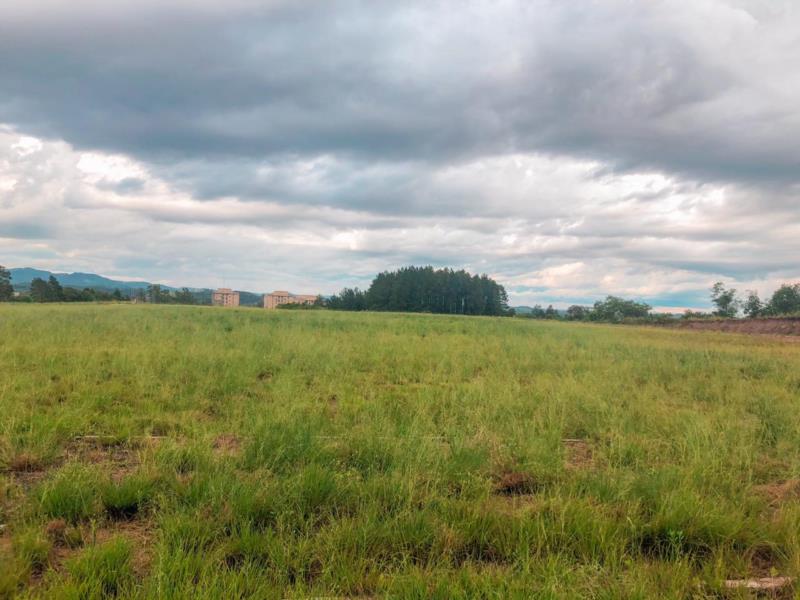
[
  {"x": 279, "y": 297},
  {"x": 224, "y": 297}
]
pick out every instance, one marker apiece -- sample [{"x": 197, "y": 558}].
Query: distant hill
[
  {"x": 21, "y": 280},
  {"x": 522, "y": 310}
]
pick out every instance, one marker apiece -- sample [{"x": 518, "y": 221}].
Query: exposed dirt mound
[
  {"x": 516, "y": 484},
  {"x": 782, "y": 326}
]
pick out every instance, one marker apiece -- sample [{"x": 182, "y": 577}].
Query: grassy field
[{"x": 186, "y": 452}]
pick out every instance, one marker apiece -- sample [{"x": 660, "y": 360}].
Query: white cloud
[{"x": 551, "y": 229}]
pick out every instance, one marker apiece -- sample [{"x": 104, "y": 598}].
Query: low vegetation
[{"x": 175, "y": 451}]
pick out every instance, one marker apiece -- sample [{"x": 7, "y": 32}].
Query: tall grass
[{"x": 246, "y": 453}]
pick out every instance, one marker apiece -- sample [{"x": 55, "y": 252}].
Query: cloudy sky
[{"x": 568, "y": 148}]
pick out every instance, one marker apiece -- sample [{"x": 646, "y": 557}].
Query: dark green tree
[
  {"x": 425, "y": 289},
  {"x": 725, "y": 300},
  {"x": 614, "y": 310},
  {"x": 785, "y": 300},
  {"x": 55, "y": 291},
  {"x": 40, "y": 291},
  {"x": 6, "y": 289},
  {"x": 185, "y": 296},
  {"x": 752, "y": 307},
  {"x": 537, "y": 312},
  {"x": 578, "y": 313}
]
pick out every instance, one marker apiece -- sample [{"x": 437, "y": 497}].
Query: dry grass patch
[
  {"x": 778, "y": 494},
  {"x": 579, "y": 454},
  {"x": 227, "y": 444}
]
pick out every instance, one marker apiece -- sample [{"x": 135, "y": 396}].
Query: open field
[{"x": 151, "y": 451}]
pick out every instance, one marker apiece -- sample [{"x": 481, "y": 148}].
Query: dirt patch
[
  {"x": 777, "y": 327},
  {"x": 515, "y": 483},
  {"x": 63, "y": 535},
  {"x": 26, "y": 463},
  {"x": 779, "y": 493},
  {"x": 227, "y": 444},
  {"x": 764, "y": 561},
  {"x": 579, "y": 454},
  {"x": 120, "y": 458}
]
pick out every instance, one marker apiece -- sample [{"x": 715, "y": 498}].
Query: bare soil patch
[
  {"x": 26, "y": 463},
  {"x": 777, "y": 326},
  {"x": 227, "y": 444},
  {"x": 515, "y": 483},
  {"x": 121, "y": 459}
]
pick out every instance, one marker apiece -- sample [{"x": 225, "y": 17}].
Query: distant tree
[
  {"x": 614, "y": 310},
  {"x": 785, "y": 300},
  {"x": 158, "y": 295},
  {"x": 348, "y": 299},
  {"x": 537, "y": 312},
  {"x": 694, "y": 314},
  {"x": 117, "y": 295},
  {"x": 550, "y": 313},
  {"x": 184, "y": 296},
  {"x": 425, "y": 289},
  {"x": 40, "y": 291},
  {"x": 6, "y": 289},
  {"x": 752, "y": 306},
  {"x": 578, "y": 313},
  {"x": 55, "y": 291},
  {"x": 319, "y": 302},
  {"x": 725, "y": 300}
]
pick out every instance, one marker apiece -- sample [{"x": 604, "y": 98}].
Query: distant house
[
  {"x": 224, "y": 297},
  {"x": 276, "y": 298}
]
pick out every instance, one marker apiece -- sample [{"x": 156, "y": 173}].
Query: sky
[{"x": 569, "y": 149}]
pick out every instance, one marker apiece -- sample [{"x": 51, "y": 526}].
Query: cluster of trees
[
  {"x": 425, "y": 289},
  {"x": 784, "y": 301},
  {"x": 52, "y": 291},
  {"x": 610, "y": 310},
  {"x": 156, "y": 294}
]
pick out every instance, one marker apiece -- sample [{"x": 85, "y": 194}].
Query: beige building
[
  {"x": 276, "y": 298},
  {"x": 225, "y": 297}
]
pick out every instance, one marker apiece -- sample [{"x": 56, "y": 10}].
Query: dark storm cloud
[{"x": 625, "y": 83}]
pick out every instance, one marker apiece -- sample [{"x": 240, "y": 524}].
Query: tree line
[
  {"x": 611, "y": 310},
  {"x": 156, "y": 294},
  {"x": 784, "y": 301},
  {"x": 50, "y": 290},
  {"x": 425, "y": 289}
]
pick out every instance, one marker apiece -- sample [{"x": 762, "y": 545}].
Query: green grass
[{"x": 207, "y": 453}]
